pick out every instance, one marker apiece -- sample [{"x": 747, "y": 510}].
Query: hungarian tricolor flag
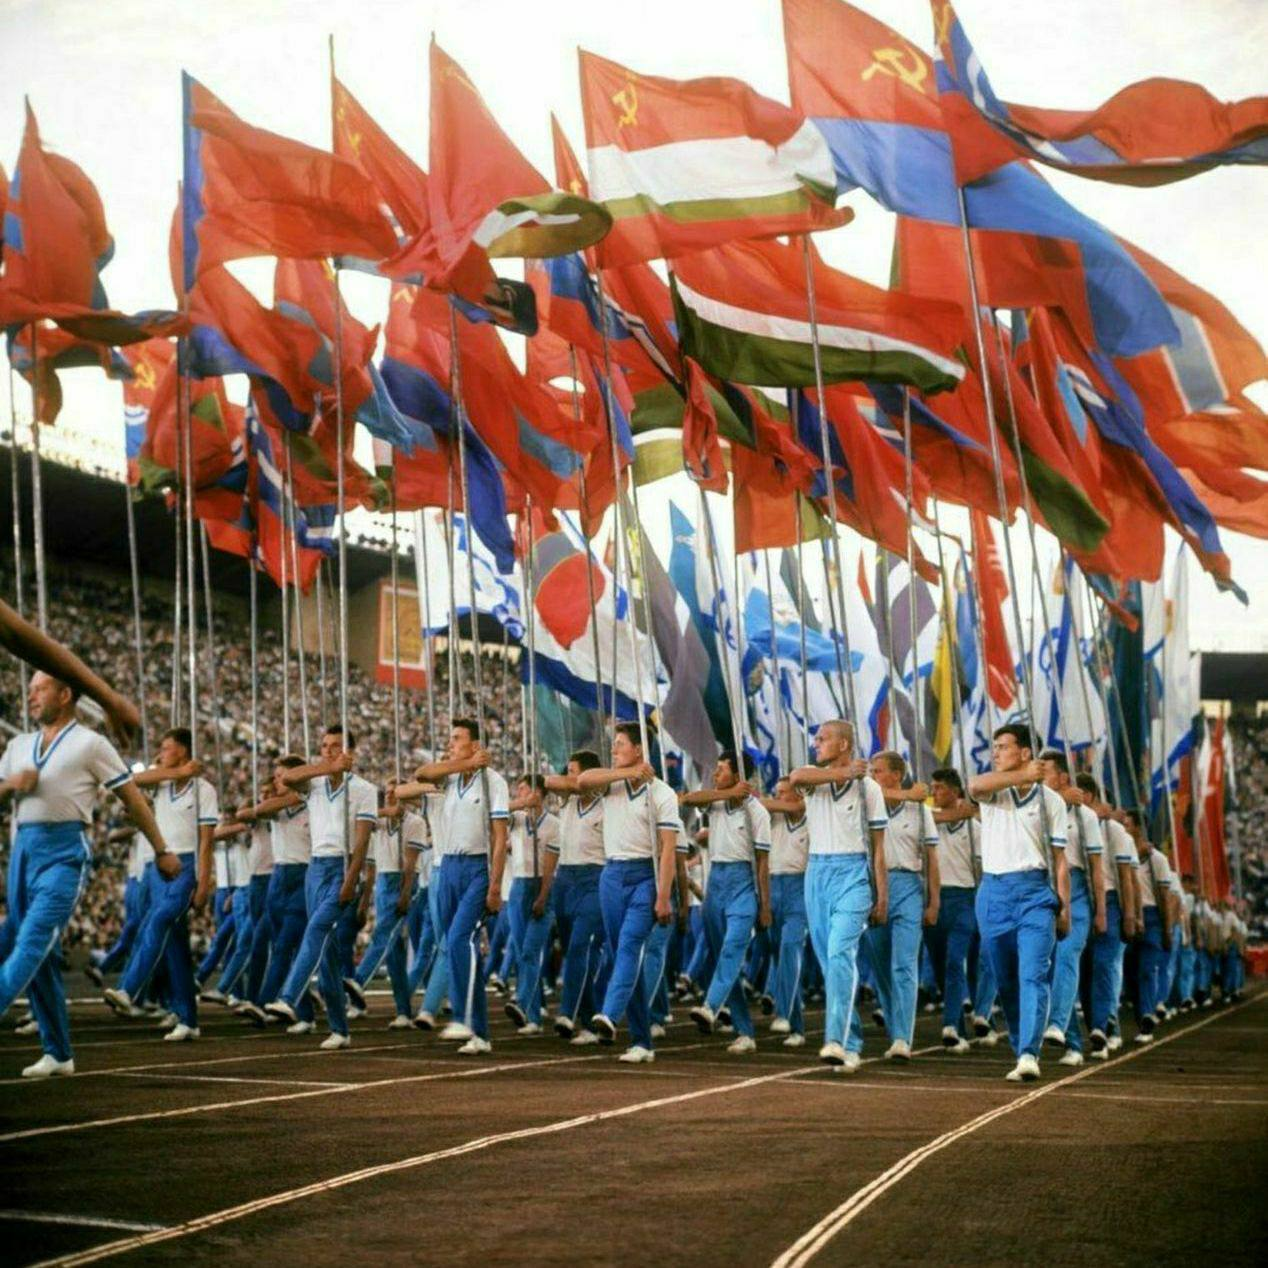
[
  {"x": 682, "y": 165},
  {"x": 742, "y": 312}
]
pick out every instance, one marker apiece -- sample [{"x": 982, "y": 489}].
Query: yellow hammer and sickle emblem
[
  {"x": 893, "y": 62},
  {"x": 354, "y": 138},
  {"x": 144, "y": 376},
  {"x": 574, "y": 186},
  {"x": 942, "y": 24},
  {"x": 627, "y": 99},
  {"x": 403, "y": 295}
]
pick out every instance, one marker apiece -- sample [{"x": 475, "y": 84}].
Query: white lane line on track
[
  {"x": 323, "y": 1090},
  {"x": 227, "y": 1078},
  {"x": 815, "y": 1239},
  {"x": 216, "y": 1218},
  {"x": 81, "y": 1221}
]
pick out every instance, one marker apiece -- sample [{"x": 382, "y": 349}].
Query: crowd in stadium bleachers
[{"x": 1249, "y": 819}]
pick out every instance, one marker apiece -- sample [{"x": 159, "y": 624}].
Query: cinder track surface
[{"x": 255, "y": 1147}]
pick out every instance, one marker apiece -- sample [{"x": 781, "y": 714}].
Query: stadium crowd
[{"x": 1248, "y": 819}]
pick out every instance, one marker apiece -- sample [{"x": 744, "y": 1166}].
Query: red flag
[
  {"x": 56, "y": 349},
  {"x": 701, "y": 451},
  {"x": 250, "y": 192},
  {"x": 149, "y": 362},
  {"x": 1212, "y": 830},
  {"x": 562, "y": 598},
  {"x": 401, "y": 183},
  {"x": 992, "y": 597}
]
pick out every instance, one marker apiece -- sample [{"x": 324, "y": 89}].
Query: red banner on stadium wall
[{"x": 413, "y": 654}]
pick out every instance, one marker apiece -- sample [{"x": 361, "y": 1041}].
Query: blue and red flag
[
  {"x": 1149, "y": 133},
  {"x": 562, "y": 592},
  {"x": 875, "y": 99},
  {"x": 249, "y": 192}
]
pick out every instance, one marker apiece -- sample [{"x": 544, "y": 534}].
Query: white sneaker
[
  {"x": 181, "y": 1033},
  {"x": 31, "y": 1027},
  {"x": 424, "y": 1020},
  {"x": 780, "y": 1026},
  {"x": 584, "y": 1039},
  {"x": 402, "y": 1021},
  {"x": 333, "y": 1042},
  {"x": 669, "y": 1019},
  {"x": 960, "y": 1046},
  {"x": 657, "y": 1030},
  {"x": 795, "y": 1041},
  {"x": 1099, "y": 1054},
  {"x": 456, "y": 1030},
  {"x": 353, "y": 1012},
  {"x": 1025, "y": 1071},
  {"x": 704, "y": 1018},
  {"x": 744, "y": 1044},
  {"x": 1054, "y": 1034},
  {"x": 118, "y": 999},
  {"x": 300, "y": 1028},
  {"x": 529, "y": 1030},
  {"x": 1073, "y": 1057},
  {"x": 725, "y": 1030},
  {"x": 565, "y": 1028},
  {"x": 47, "y": 1067},
  {"x": 637, "y": 1055},
  {"x": 604, "y": 1027},
  {"x": 475, "y": 1047},
  {"x": 1114, "y": 1043},
  {"x": 832, "y": 1053},
  {"x": 280, "y": 1008},
  {"x": 990, "y": 1039},
  {"x": 899, "y": 1050},
  {"x": 213, "y": 996},
  {"x": 167, "y": 1021},
  {"x": 1144, "y": 1037},
  {"x": 851, "y": 1063}
]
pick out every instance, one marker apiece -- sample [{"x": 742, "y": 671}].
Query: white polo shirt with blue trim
[{"x": 69, "y": 770}]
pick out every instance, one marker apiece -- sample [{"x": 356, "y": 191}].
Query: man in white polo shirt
[
  {"x": 1159, "y": 910},
  {"x": 397, "y": 843},
  {"x": 641, "y": 830},
  {"x": 471, "y": 826},
  {"x": 846, "y": 881},
  {"x": 186, "y": 810},
  {"x": 573, "y": 867},
  {"x": 1023, "y": 902},
  {"x": 55, "y": 772},
  {"x": 789, "y": 850},
  {"x": 911, "y": 860},
  {"x": 737, "y": 898},
  {"x": 534, "y": 832},
  {"x": 342, "y": 810},
  {"x": 1084, "y": 852},
  {"x": 951, "y": 938}
]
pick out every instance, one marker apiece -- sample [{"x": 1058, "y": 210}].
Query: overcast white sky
[{"x": 105, "y": 82}]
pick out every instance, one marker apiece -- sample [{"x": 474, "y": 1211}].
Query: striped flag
[
  {"x": 742, "y": 313},
  {"x": 682, "y": 165}
]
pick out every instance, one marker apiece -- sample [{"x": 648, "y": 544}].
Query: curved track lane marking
[
  {"x": 213, "y": 1220},
  {"x": 810, "y": 1243}
]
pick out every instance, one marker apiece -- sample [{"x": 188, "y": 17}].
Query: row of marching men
[{"x": 1027, "y": 891}]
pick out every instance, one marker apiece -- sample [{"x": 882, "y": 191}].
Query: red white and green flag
[{"x": 683, "y": 165}]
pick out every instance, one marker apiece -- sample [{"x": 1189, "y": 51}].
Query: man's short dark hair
[
  {"x": 1019, "y": 731},
  {"x": 1086, "y": 782},
  {"x": 537, "y": 782},
  {"x": 1057, "y": 758},
  {"x": 469, "y": 725},
  {"x": 632, "y": 733},
  {"x": 950, "y": 776},
  {"x": 586, "y": 759},
  {"x": 182, "y": 736},
  {"x": 728, "y": 756},
  {"x": 349, "y": 740}
]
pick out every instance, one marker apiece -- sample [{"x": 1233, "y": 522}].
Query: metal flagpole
[
  {"x": 134, "y": 565},
  {"x": 917, "y": 760},
  {"x": 212, "y": 664},
  {"x": 178, "y": 606},
  {"x": 840, "y": 700},
  {"x": 396, "y": 634},
  {"x": 781, "y": 719},
  {"x": 1099, "y": 680},
  {"x": 451, "y": 565},
  {"x": 594, "y": 620},
  {"x": 37, "y": 494},
  {"x": 340, "y": 485},
  {"x": 286, "y": 640},
  {"x": 801, "y": 626},
  {"x": 948, "y": 626},
  {"x": 292, "y": 545},
  {"x": 732, "y": 689},
  {"x": 191, "y": 572},
  {"x": 1002, "y": 499},
  {"x": 254, "y": 578},
  {"x": 19, "y": 601},
  {"x": 828, "y": 479},
  {"x": 319, "y": 582},
  {"x": 532, "y": 765},
  {"x": 422, "y": 573},
  {"x": 884, "y": 605},
  {"x": 455, "y": 375},
  {"x": 504, "y": 696}
]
